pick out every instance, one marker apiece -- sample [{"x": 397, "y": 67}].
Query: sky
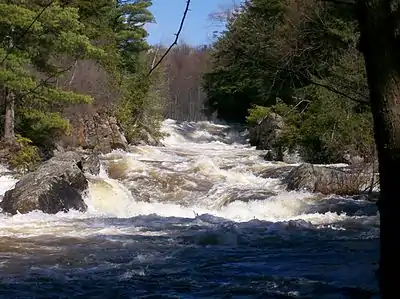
[{"x": 198, "y": 27}]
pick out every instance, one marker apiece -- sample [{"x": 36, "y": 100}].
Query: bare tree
[{"x": 185, "y": 67}]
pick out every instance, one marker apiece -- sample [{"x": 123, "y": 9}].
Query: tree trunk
[
  {"x": 9, "y": 101},
  {"x": 379, "y": 43}
]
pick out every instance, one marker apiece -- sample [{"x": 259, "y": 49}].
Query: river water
[{"x": 193, "y": 219}]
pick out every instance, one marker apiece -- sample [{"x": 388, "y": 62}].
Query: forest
[
  {"x": 298, "y": 59},
  {"x": 320, "y": 65},
  {"x": 63, "y": 59}
]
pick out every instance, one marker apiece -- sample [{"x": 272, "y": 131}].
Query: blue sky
[{"x": 198, "y": 27}]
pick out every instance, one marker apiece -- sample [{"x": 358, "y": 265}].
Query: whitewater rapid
[{"x": 201, "y": 188}]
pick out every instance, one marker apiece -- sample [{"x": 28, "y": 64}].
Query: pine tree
[{"x": 36, "y": 36}]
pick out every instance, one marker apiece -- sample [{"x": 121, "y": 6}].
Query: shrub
[{"x": 27, "y": 157}]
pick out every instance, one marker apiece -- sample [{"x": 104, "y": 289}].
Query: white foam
[
  {"x": 194, "y": 155},
  {"x": 7, "y": 181}
]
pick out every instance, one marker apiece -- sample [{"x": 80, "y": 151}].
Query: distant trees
[{"x": 184, "y": 68}]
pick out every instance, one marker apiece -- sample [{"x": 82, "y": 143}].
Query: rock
[
  {"x": 239, "y": 195},
  {"x": 367, "y": 196},
  {"x": 97, "y": 130},
  {"x": 276, "y": 172},
  {"x": 352, "y": 159},
  {"x": 57, "y": 185},
  {"x": 329, "y": 180},
  {"x": 265, "y": 136},
  {"x": 91, "y": 164},
  {"x": 145, "y": 138}
]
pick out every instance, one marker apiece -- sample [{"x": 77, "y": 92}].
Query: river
[{"x": 192, "y": 219}]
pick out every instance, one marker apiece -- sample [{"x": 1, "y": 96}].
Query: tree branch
[
  {"x": 175, "y": 41},
  {"x": 338, "y": 92},
  {"x": 327, "y": 87},
  {"x": 45, "y": 81}
]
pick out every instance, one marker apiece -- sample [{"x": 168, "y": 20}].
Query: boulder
[
  {"x": 330, "y": 180},
  {"x": 57, "y": 185},
  {"x": 278, "y": 172},
  {"x": 145, "y": 138},
  {"x": 265, "y": 135}
]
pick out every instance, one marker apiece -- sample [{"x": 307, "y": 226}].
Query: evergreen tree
[
  {"x": 35, "y": 37},
  {"x": 296, "y": 58}
]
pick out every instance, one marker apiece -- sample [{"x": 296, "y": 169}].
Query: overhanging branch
[
  {"x": 338, "y": 92},
  {"x": 175, "y": 41},
  {"x": 327, "y": 87}
]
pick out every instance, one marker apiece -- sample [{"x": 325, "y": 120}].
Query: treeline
[
  {"x": 61, "y": 56},
  {"x": 184, "y": 68},
  {"x": 298, "y": 59}
]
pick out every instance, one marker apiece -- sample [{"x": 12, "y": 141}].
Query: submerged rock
[
  {"x": 57, "y": 185},
  {"x": 330, "y": 180}
]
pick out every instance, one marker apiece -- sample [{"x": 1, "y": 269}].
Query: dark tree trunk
[
  {"x": 9, "y": 101},
  {"x": 381, "y": 49}
]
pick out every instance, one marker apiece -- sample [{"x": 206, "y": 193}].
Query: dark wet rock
[
  {"x": 279, "y": 172},
  {"x": 367, "y": 196},
  {"x": 57, "y": 185},
  {"x": 329, "y": 180},
  {"x": 242, "y": 195},
  {"x": 91, "y": 164}
]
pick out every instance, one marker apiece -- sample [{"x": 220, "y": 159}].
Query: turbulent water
[{"x": 192, "y": 219}]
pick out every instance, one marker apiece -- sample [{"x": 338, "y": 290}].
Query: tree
[
  {"x": 379, "y": 43},
  {"x": 36, "y": 36},
  {"x": 184, "y": 67},
  {"x": 273, "y": 48},
  {"x": 299, "y": 54},
  {"x": 114, "y": 35}
]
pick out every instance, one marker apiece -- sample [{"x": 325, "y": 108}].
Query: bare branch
[
  {"x": 175, "y": 41},
  {"x": 45, "y": 81},
  {"x": 334, "y": 90}
]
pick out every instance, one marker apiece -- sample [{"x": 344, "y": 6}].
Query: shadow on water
[{"x": 204, "y": 257}]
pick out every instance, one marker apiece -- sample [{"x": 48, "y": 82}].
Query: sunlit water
[{"x": 192, "y": 219}]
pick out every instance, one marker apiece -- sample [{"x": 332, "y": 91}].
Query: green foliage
[
  {"x": 288, "y": 57},
  {"x": 257, "y": 114},
  {"x": 42, "y": 127},
  {"x": 30, "y": 61},
  {"x": 331, "y": 126},
  {"x": 108, "y": 32},
  {"x": 27, "y": 157},
  {"x": 141, "y": 106}
]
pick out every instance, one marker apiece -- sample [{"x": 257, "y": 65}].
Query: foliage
[
  {"x": 27, "y": 157},
  {"x": 29, "y": 59},
  {"x": 140, "y": 108},
  {"x": 42, "y": 49},
  {"x": 257, "y": 114},
  {"x": 290, "y": 57}
]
